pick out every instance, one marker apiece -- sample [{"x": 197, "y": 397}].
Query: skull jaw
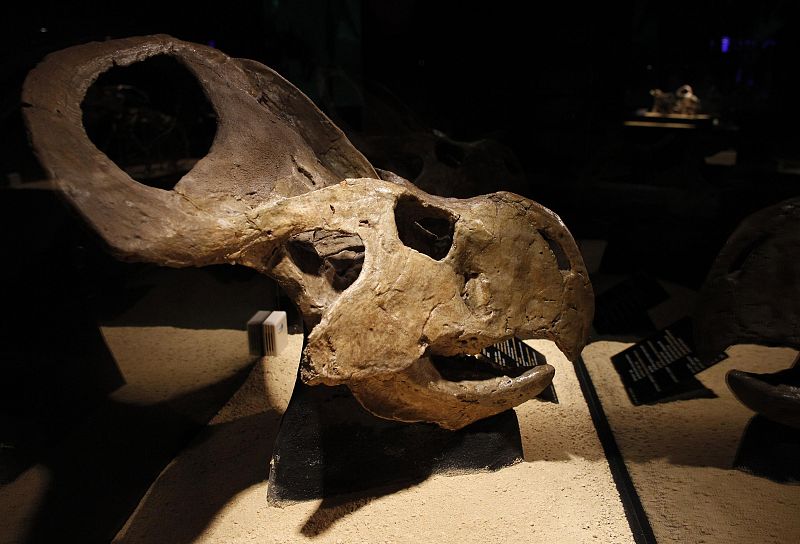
[{"x": 420, "y": 393}]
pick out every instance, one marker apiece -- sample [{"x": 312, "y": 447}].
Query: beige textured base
[
  {"x": 679, "y": 455},
  {"x": 215, "y": 491},
  {"x": 159, "y": 365},
  {"x": 173, "y": 345}
]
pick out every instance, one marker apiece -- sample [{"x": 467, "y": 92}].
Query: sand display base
[
  {"x": 181, "y": 345},
  {"x": 175, "y": 338},
  {"x": 215, "y": 490},
  {"x": 680, "y": 454}
]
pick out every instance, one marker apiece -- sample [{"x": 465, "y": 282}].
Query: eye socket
[
  {"x": 151, "y": 118},
  {"x": 558, "y": 251},
  {"x": 741, "y": 258},
  {"x": 424, "y": 228},
  {"x": 336, "y": 256}
]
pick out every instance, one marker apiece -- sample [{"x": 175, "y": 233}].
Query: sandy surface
[
  {"x": 160, "y": 365},
  {"x": 181, "y": 352},
  {"x": 215, "y": 491},
  {"x": 679, "y": 455}
]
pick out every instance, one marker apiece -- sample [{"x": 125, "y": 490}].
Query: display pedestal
[
  {"x": 770, "y": 450},
  {"x": 328, "y": 445}
]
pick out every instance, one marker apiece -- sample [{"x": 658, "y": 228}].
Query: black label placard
[
  {"x": 515, "y": 354},
  {"x": 662, "y": 366}
]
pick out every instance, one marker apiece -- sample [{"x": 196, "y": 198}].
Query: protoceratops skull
[{"x": 389, "y": 279}]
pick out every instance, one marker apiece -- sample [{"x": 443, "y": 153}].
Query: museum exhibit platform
[
  {"x": 595, "y": 467},
  {"x": 597, "y": 471},
  {"x": 216, "y": 489},
  {"x": 676, "y": 483},
  {"x": 679, "y": 457}
]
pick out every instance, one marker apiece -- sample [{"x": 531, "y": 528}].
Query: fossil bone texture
[
  {"x": 752, "y": 293},
  {"x": 388, "y": 278}
]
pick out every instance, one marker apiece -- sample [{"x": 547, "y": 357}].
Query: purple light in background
[
  {"x": 724, "y": 44},
  {"x": 212, "y": 43}
]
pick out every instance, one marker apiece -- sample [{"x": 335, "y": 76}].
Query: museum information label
[{"x": 662, "y": 366}]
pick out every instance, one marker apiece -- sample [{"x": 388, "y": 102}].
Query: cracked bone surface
[{"x": 389, "y": 279}]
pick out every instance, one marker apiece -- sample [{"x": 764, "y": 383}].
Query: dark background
[
  {"x": 553, "y": 82},
  {"x": 554, "y": 85}
]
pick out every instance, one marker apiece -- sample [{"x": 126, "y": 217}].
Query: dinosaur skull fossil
[
  {"x": 751, "y": 294},
  {"x": 389, "y": 279}
]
